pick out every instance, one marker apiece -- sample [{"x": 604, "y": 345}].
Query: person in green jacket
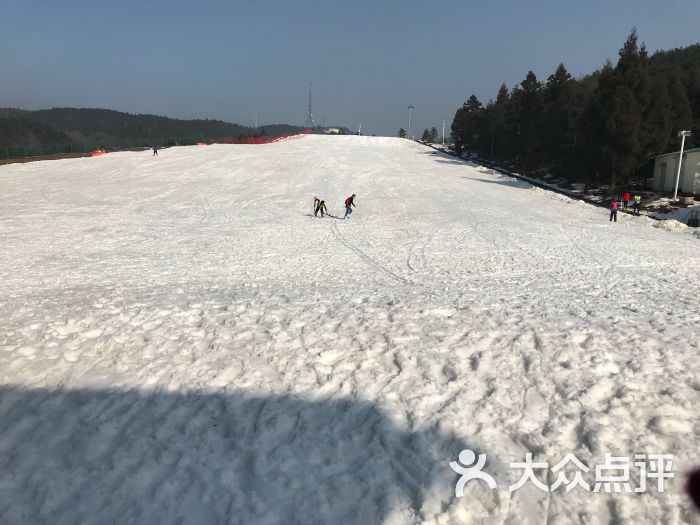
[
  {"x": 637, "y": 202},
  {"x": 320, "y": 207}
]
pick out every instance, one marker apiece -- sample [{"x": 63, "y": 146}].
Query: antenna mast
[{"x": 310, "y": 118}]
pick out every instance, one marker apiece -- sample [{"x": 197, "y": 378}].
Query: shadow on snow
[
  {"x": 102, "y": 456},
  {"x": 503, "y": 181}
]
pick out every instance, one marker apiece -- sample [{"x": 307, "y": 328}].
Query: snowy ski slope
[{"x": 180, "y": 342}]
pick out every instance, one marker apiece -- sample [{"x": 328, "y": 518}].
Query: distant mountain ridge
[{"x": 98, "y": 127}]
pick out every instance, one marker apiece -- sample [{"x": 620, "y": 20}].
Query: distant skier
[
  {"x": 320, "y": 207},
  {"x": 613, "y": 210},
  {"x": 625, "y": 200},
  {"x": 155, "y": 150},
  {"x": 349, "y": 204},
  {"x": 637, "y": 202}
]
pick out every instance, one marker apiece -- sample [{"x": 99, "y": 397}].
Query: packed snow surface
[{"x": 181, "y": 342}]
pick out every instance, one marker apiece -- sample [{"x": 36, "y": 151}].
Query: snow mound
[{"x": 670, "y": 225}]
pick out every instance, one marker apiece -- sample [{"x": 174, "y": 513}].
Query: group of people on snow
[
  {"x": 320, "y": 206},
  {"x": 625, "y": 200}
]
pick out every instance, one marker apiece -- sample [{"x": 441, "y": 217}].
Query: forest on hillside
[
  {"x": 25, "y": 131},
  {"x": 90, "y": 128},
  {"x": 602, "y": 128}
]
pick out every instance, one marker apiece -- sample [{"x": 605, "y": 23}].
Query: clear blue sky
[{"x": 368, "y": 60}]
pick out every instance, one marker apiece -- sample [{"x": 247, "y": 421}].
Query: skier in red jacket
[
  {"x": 625, "y": 200},
  {"x": 349, "y": 204}
]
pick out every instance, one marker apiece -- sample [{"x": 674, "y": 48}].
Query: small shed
[{"x": 666, "y": 167}]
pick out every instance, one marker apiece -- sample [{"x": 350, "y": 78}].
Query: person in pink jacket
[{"x": 613, "y": 210}]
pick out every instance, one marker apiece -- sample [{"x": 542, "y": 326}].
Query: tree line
[
  {"x": 94, "y": 127},
  {"x": 429, "y": 135},
  {"x": 14, "y": 130},
  {"x": 602, "y": 128}
]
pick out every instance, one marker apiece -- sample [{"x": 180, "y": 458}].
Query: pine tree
[
  {"x": 459, "y": 128},
  {"x": 464, "y": 125},
  {"x": 558, "y": 113},
  {"x": 624, "y": 97},
  {"x": 526, "y": 116},
  {"x": 693, "y": 89},
  {"x": 657, "y": 118},
  {"x": 433, "y": 134},
  {"x": 487, "y": 131},
  {"x": 681, "y": 112},
  {"x": 499, "y": 130},
  {"x": 592, "y": 149},
  {"x": 402, "y": 133}
]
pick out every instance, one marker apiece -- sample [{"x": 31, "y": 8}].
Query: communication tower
[{"x": 310, "y": 118}]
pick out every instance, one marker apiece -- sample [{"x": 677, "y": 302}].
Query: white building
[{"x": 666, "y": 166}]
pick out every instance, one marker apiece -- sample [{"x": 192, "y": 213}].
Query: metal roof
[{"x": 691, "y": 150}]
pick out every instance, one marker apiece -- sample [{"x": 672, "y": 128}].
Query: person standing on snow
[
  {"x": 613, "y": 210},
  {"x": 637, "y": 202},
  {"x": 349, "y": 204},
  {"x": 625, "y": 200},
  {"x": 155, "y": 150}
]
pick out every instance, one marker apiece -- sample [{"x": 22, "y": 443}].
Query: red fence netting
[{"x": 260, "y": 140}]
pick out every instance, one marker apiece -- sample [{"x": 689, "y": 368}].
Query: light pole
[
  {"x": 443, "y": 132},
  {"x": 683, "y": 135},
  {"x": 410, "y": 110},
  {"x": 359, "y": 131}
]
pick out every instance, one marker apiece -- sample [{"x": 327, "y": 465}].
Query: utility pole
[
  {"x": 256, "y": 120},
  {"x": 443, "y": 132},
  {"x": 683, "y": 135},
  {"x": 410, "y": 110},
  {"x": 359, "y": 131}
]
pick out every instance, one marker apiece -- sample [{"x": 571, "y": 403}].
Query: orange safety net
[{"x": 260, "y": 140}]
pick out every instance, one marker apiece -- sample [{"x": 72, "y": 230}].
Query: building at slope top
[{"x": 666, "y": 166}]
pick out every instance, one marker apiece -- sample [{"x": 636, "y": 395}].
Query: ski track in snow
[{"x": 181, "y": 342}]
